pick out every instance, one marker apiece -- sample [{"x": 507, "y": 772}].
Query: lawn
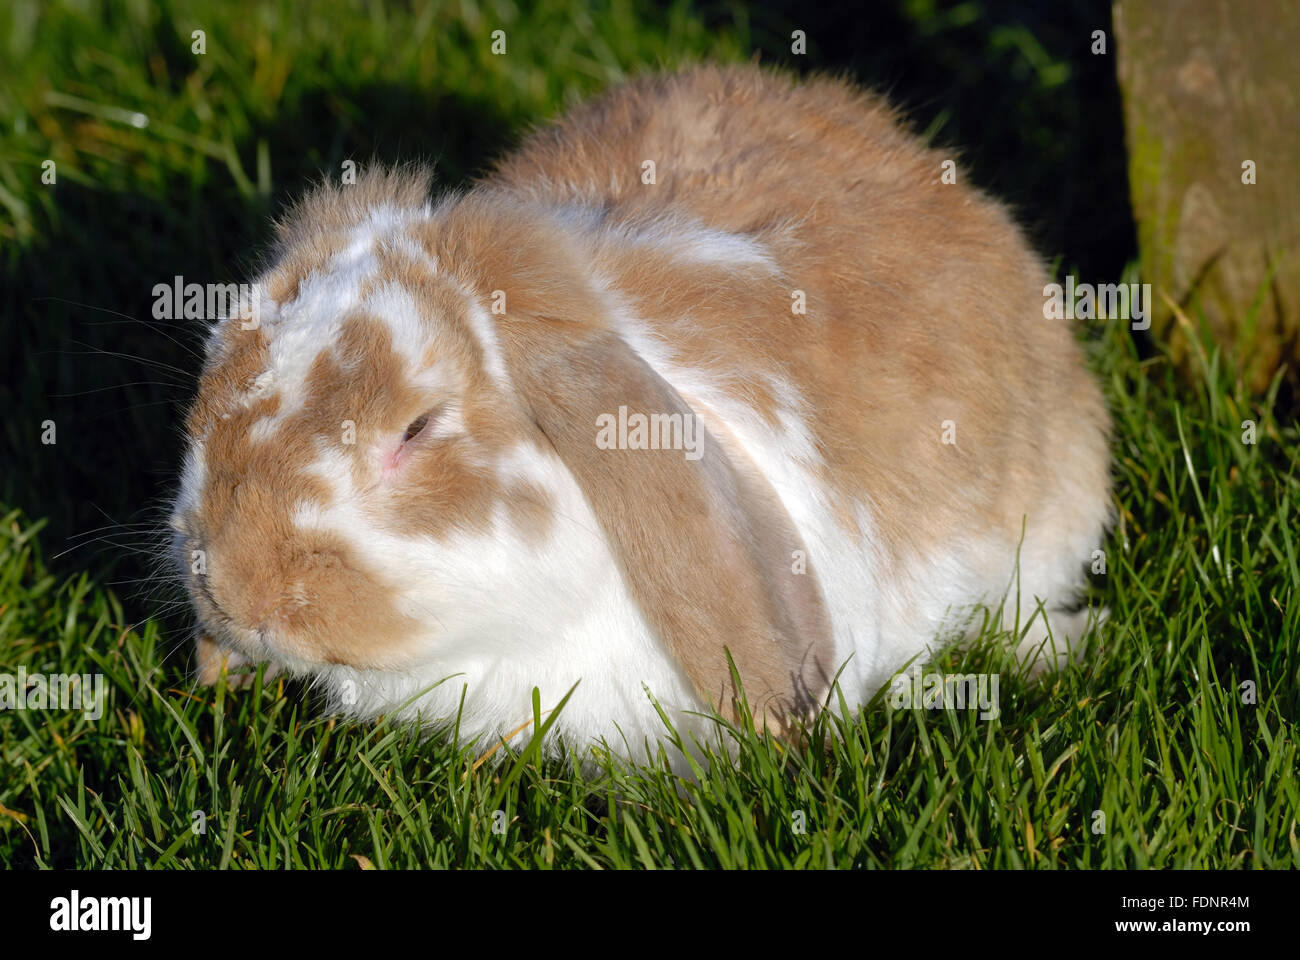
[{"x": 1173, "y": 744}]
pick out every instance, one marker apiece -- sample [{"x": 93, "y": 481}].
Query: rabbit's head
[{"x": 404, "y": 458}]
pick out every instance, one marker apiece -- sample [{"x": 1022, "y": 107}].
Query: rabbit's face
[{"x": 358, "y": 474}]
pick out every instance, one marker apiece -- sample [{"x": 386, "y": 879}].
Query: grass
[{"x": 1150, "y": 754}]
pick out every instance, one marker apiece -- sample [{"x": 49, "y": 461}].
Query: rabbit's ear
[{"x": 704, "y": 543}]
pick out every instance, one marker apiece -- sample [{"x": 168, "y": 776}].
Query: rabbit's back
[{"x": 803, "y": 272}]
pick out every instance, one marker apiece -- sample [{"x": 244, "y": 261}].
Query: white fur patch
[
  {"x": 299, "y": 330},
  {"x": 193, "y": 474},
  {"x": 675, "y": 236}
]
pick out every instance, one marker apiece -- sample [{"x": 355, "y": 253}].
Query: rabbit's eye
[{"x": 416, "y": 426}]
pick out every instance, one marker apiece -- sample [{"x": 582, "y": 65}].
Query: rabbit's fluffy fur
[{"x": 396, "y": 476}]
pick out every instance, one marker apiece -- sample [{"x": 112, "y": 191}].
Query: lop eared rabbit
[{"x": 715, "y": 363}]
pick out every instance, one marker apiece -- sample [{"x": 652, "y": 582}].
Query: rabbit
[{"x": 716, "y": 370}]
